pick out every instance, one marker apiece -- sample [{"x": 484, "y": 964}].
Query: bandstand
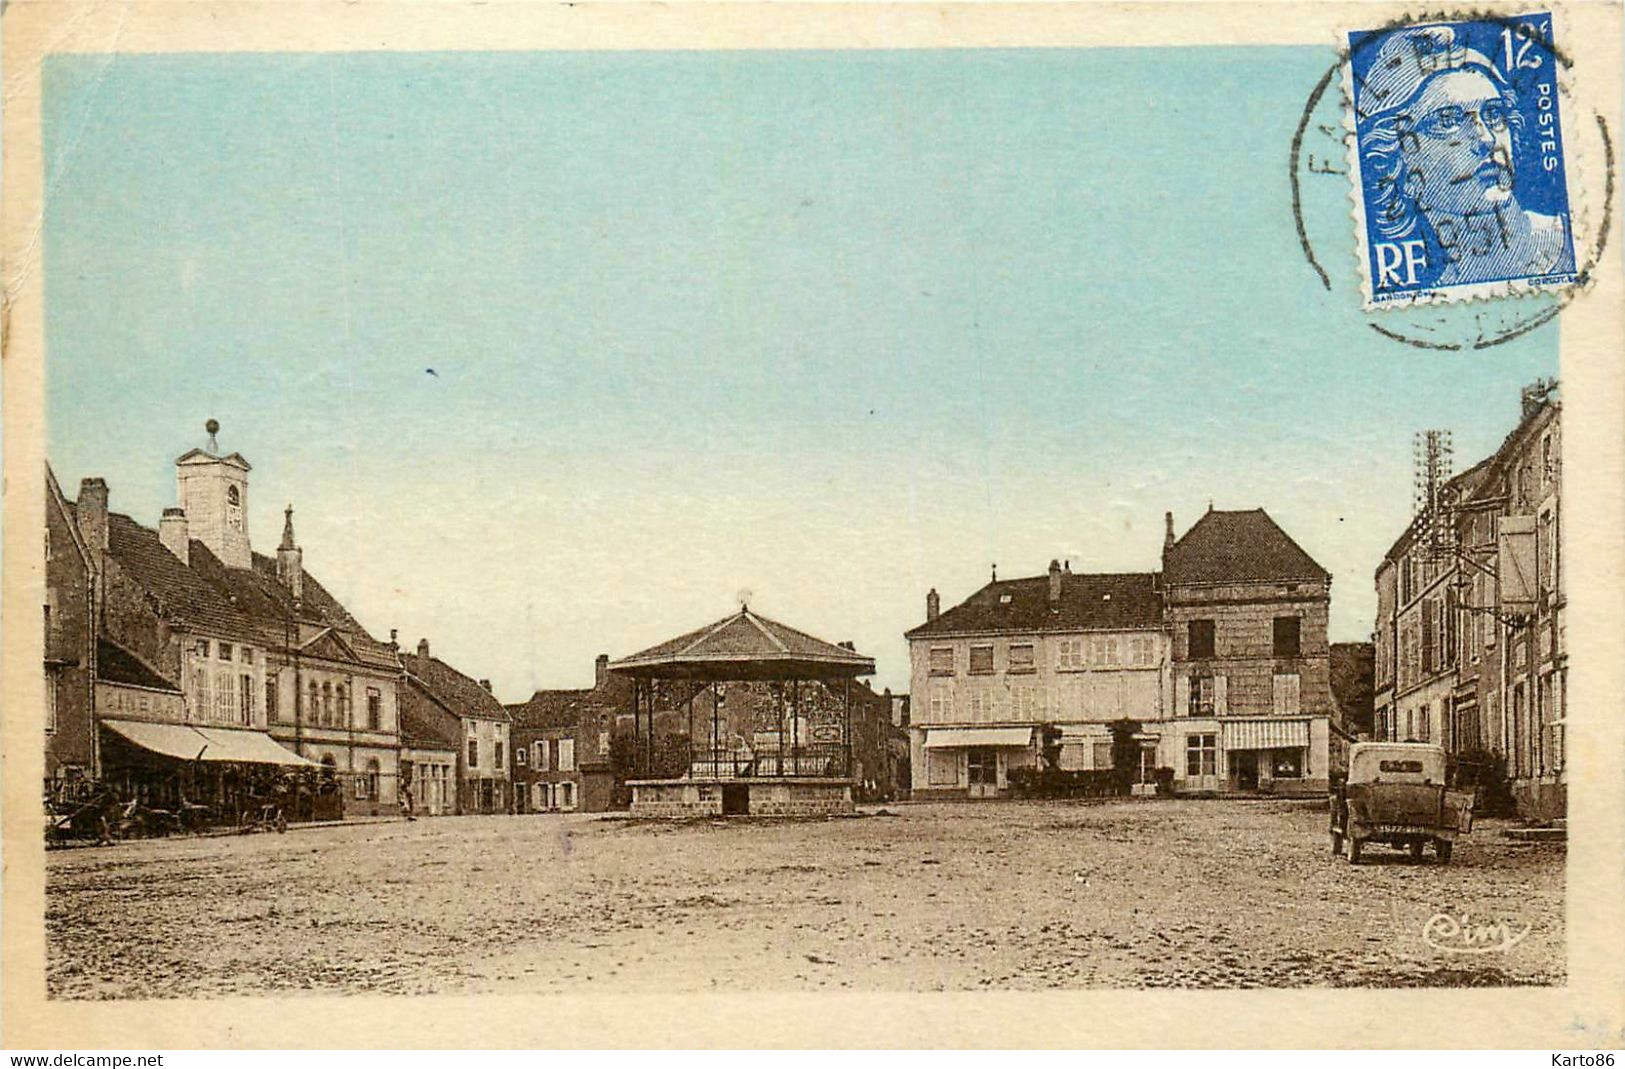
[{"x": 757, "y": 720}]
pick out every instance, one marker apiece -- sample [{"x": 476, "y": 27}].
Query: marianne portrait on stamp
[{"x": 1441, "y": 135}]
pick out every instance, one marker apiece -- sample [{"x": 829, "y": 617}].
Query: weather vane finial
[
  {"x": 743, "y": 597},
  {"x": 213, "y": 427}
]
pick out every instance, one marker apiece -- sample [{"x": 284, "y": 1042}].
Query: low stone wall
[{"x": 801, "y": 797}]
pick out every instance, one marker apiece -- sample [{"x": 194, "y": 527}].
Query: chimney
[
  {"x": 1054, "y": 584},
  {"x": 849, "y": 644},
  {"x": 933, "y": 605},
  {"x": 172, "y": 533},
  {"x": 290, "y": 559},
  {"x": 485, "y": 685},
  {"x": 600, "y": 670},
  {"x": 1168, "y": 535},
  {"x": 91, "y": 509},
  {"x": 423, "y": 648},
  {"x": 394, "y": 638}
]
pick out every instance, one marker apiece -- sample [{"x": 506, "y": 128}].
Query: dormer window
[{"x": 1005, "y": 599}]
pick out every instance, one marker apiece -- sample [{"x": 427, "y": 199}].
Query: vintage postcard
[{"x": 813, "y": 525}]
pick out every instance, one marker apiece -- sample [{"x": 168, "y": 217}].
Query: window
[
  {"x": 981, "y": 660},
  {"x": 1201, "y": 700},
  {"x": 202, "y": 647},
  {"x": 519, "y": 756},
  {"x": 375, "y": 709},
  {"x": 1199, "y": 639},
  {"x": 327, "y": 703},
  {"x": 50, "y": 703},
  {"x": 246, "y": 687},
  {"x": 225, "y": 651},
  {"x": 567, "y": 796},
  {"x": 473, "y": 753},
  {"x": 233, "y": 496},
  {"x": 1104, "y": 651},
  {"x": 272, "y": 712},
  {"x": 343, "y": 692},
  {"x": 1287, "y": 632},
  {"x": 1288, "y": 764},
  {"x": 567, "y": 755},
  {"x": 603, "y": 743},
  {"x": 1024, "y": 703},
  {"x": 1142, "y": 651},
  {"x": 313, "y": 710},
  {"x": 942, "y": 768},
  {"x": 1021, "y": 657},
  {"x": 981, "y": 704},
  {"x": 1287, "y": 694},
  {"x": 1069, "y": 653},
  {"x": 942, "y": 704},
  {"x": 366, "y": 784},
  {"x": 1201, "y": 755},
  {"x": 496, "y": 754},
  {"x": 1102, "y": 756},
  {"x": 225, "y": 699},
  {"x": 202, "y": 699},
  {"x": 942, "y": 660}
]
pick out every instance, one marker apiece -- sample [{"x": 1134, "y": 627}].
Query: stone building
[
  {"x": 457, "y": 708},
  {"x": 270, "y": 670},
  {"x": 1218, "y": 664},
  {"x": 563, "y": 743},
  {"x": 1069, "y": 652},
  {"x": 1247, "y": 613},
  {"x": 1470, "y": 630}
]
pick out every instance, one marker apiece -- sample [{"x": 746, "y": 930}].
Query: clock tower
[{"x": 213, "y": 491}]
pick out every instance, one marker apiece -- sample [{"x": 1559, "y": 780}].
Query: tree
[{"x": 1125, "y": 754}]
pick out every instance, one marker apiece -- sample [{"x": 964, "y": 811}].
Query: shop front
[
  {"x": 212, "y": 774},
  {"x": 976, "y": 761},
  {"x": 1273, "y": 755}
]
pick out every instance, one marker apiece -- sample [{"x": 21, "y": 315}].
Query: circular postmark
[{"x": 1444, "y": 173}]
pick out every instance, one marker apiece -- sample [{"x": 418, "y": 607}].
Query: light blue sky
[{"x": 832, "y": 328}]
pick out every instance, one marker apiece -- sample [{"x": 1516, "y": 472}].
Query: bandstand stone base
[{"x": 803, "y": 796}]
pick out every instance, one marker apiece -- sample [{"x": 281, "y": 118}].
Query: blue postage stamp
[{"x": 1457, "y": 160}]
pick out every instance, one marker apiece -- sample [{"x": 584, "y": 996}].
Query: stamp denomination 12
[{"x": 1457, "y": 161}]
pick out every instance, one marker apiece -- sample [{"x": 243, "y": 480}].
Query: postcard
[{"x": 877, "y": 525}]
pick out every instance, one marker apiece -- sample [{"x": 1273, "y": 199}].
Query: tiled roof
[
  {"x": 115, "y": 664},
  {"x": 204, "y": 593},
  {"x": 749, "y": 643},
  {"x": 1244, "y": 546},
  {"x": 425, "y": 724},
  {"x": 458, "y": 693},
  {"x": 554, "y": 708},
  {"x": 1102, "y": 602}
]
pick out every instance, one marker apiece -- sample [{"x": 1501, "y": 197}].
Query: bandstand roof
[{"x": 745, "y": 646}]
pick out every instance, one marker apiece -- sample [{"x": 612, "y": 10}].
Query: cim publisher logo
[{"x": 1463, "y": 935}]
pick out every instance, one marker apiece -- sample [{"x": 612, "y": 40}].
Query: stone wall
[{"x": 768, "y": 798}]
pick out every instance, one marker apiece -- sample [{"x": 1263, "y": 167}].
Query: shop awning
[
  {"x": 941, "y": 738},
  {"x": 248, "y": 747},
  {"x": 186, "y": 743},
  {"x": 1264, "y": 734}
]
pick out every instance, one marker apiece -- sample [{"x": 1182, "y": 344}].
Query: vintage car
[{"x": 1395, "y": 793}]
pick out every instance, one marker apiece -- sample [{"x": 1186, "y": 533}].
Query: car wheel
[
  {"x": 1354, "y": 851},
  {"x": 1443, "y": 847}
]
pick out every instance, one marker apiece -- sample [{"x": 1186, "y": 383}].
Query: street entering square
[{"x": 941, "y": 896}]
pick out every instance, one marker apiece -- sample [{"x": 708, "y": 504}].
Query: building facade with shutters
[
  {"x": 447, "y": 707},
  {"x": 1471, "y": 648},
  {"x": 204, "y": 649},
  {"x": 563, "y": 745},
  {"x": 1247, "y": 613},
  {"x": 1220, "y": 661}
]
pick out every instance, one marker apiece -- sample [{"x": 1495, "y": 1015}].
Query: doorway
[
  {"x": 983, "y": 772},
  {"x": 1244, "y": 770},
  {"x": 735, "y": 799}
]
